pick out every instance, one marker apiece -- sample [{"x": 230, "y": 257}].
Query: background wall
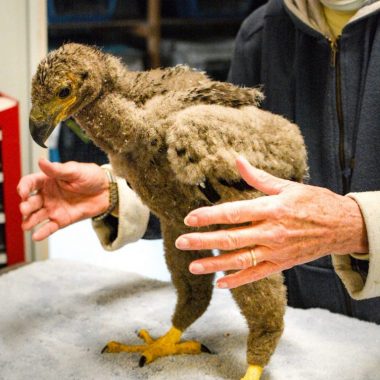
[{"x": 23, "y": 42}]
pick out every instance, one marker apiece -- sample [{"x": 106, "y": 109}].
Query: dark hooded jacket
[{"x": 331, "y": 89}]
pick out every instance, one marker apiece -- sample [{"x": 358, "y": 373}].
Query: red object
[{"x": 11, "y": 167}]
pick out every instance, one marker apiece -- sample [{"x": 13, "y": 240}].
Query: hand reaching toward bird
[
  {"x": 60, "y": 195},
  {"x": 292, "y": 225}
]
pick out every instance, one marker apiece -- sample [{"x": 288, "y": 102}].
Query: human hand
[
  {"x": 294, "y": 224},
  {"x": 60, "y": 195}
]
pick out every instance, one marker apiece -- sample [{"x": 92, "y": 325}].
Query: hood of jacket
[{"x": 310, "y": 13}]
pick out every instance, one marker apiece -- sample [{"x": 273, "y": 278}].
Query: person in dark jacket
[{"x": 318, "y": 66}]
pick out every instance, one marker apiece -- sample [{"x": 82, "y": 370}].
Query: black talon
[
  {"x": 104, "y": 349},
  {"x": 205, "y": 349},
  {"x": 142, "y": 361}
]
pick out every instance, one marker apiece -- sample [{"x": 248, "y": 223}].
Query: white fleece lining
[
  {"x": 366, "y": 10},
  {"x": 358, "y": 290},
  {"x": 311, "y": 14},
  {"x": 133, "y": 218}
]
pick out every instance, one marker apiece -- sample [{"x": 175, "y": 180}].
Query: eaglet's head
[{"x": 67, "y": 80}]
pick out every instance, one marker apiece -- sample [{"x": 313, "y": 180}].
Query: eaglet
[{"x": 174, "y": 134}]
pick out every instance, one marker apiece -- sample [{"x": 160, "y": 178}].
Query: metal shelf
[{"x": 152, "y": 27}]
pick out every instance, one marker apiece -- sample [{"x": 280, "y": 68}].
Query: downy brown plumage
[{"x": 174, "y": 134}]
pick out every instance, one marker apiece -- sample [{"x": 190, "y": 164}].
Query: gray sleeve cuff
[{"x": 369, "y": 203}]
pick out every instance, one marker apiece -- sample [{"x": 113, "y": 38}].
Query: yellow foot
[
  {"x": 155, "y": 348},
  {"x": 253, "y": 373}
]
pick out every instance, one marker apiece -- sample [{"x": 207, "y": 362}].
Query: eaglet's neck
[{"x": 112, "y": 123}]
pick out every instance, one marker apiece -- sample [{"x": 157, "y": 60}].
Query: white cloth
[
  {"x": 57, "y": 315},
  {"x": 343, "y": 5}
]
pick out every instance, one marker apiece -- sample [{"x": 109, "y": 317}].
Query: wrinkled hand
[
  {"x": 294, "y": 224},
  {"x": 60, "y": 195}
]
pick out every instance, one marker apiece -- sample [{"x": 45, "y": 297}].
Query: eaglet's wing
[{"x": 205, "y": 140}]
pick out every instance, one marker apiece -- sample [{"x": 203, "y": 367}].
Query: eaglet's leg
[
  {"x": 263, "y": 305},
  {"x": 193, "y": 297}
]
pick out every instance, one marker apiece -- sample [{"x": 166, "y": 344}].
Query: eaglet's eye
[{"x": 64, "y": 92}]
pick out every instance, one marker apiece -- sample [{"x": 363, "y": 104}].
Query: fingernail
[
  {"x": 197, "y": 268},
  {"x": 182, "y": 243},
  {"x": 221, "y": 285},
  {"x": 191, "y": 220}
]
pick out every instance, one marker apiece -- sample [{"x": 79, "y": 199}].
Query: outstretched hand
[
  {"x": 60, "y": 195},
  {"x": 294, "y": 224}
]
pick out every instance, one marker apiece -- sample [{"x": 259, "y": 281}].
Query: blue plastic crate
[{"x": 62, "y": 11}]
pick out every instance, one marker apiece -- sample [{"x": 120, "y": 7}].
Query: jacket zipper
[{"x": 346, "y": 172}]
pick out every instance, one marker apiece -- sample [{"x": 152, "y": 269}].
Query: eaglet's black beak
[{"x": 40, "y": 130}]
